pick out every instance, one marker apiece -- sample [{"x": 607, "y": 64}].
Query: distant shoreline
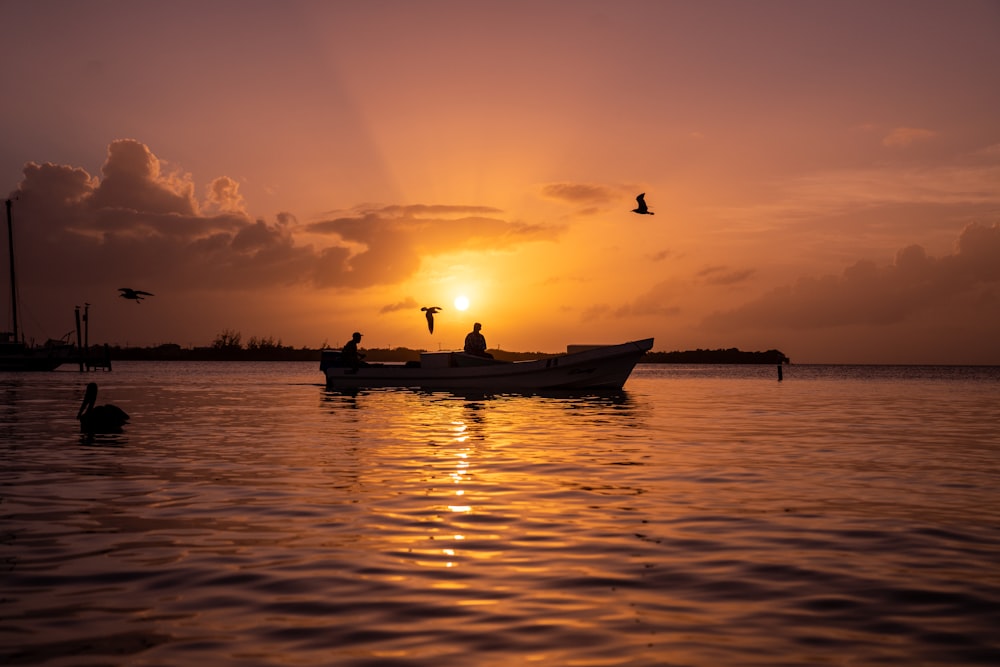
[{"x": 177, "y": 353}]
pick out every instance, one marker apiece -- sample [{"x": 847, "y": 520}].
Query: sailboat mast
[{"x": 13, "y": 283}]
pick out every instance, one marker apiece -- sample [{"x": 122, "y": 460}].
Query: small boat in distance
[
  {"x": 582, "y": 367},
  {"x": 15, "y": 353}
]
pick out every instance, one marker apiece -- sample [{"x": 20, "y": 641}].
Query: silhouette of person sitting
[
  {"x": 475, "y": 342},
  {"x": 349, "y": 355}
]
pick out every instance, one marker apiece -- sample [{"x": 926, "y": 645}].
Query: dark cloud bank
[
  {"x": 136, "y": 224},
  {"x": 868, "y": 294}
]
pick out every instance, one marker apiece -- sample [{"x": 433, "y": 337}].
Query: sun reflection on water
[
  {"x": 458, "y": 476},
  {"x": 681, "y": 522}
]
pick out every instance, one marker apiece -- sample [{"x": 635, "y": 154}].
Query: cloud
[
  {"x": 386, "y": 245},
  {"x": 659, "y": 301},
  {"x": 869, "y": 294},
  {"x": 723, "y": 275},
  {"x": 440, "y": 210},
  {"x": 596, "y": 312},
  {"x": 224, "y": 196},
  {"x": 406, "y": 304},
  {"x": 138, "y": 224},
  {"x": 132, "y": 180},
  {"x": 141, "y": 223},
  {"x": 664, "y": 299},
  {"x": 581, "y": 193},
  {"x": 962, "y": 187},
  {"x": 591, "y": 198},
  {"x": 968, "y": 189},
  {"x": 902, "y": 137}
]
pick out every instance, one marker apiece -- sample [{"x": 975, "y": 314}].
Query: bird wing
[
  {"x": 146, "y": 293},
  {"x": 126, "y": 290}
]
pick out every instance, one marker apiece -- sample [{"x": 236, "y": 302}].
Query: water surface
[{"x": 707, "y": 515}]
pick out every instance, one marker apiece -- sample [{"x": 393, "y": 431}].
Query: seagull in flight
[
  {"x": 137, "y": 295},
  {"x": 641, "y": 208},
  {"x": 430, "y": 316}
]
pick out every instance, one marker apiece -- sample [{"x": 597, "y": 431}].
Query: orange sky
[{"x": 825, "y": 176}]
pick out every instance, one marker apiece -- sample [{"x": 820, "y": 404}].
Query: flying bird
[
  {"x": 137, "y": 295},
  {"x": 641, "y": 208},
  {"x": 102, "y": 418},
  {"x": 430, "y": 316}
]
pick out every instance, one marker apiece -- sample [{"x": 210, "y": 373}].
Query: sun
[{"x": 462, "y": 302}]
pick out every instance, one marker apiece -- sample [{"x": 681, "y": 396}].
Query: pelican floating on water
[
  {"x": 102, "y": 418},
  {"x": 430, "y": 316}
]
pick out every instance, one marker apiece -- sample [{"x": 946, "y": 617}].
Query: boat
[
  {"x": 583, "y": 367},
  {"x": 15, "y": 353},
  {"x": 18, "y": 356}
]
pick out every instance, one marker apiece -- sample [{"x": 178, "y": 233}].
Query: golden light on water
[{"x": 458, "y": 476}]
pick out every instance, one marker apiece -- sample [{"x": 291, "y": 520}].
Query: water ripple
[{"x": 248, "y": 516}]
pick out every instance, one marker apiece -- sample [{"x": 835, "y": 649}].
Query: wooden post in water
[
  {"x": 86, "y": 327},
  {"x": 13, "y": 283},
  {"x": 779, "y": 372},
  {"x": 79, "y": 345}
]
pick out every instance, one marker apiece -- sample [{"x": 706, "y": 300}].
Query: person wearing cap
[{"x": 349, "y": 355}]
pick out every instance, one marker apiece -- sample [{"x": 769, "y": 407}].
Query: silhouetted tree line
[
  {"x": 232, "y": 340},
  {"x": 720, "y": 356},
  {"x": 173, "y": 352},
  {"x": 228, "y": 346}
]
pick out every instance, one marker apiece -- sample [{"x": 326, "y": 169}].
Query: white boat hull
[{"x": 604, "y": 367}]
